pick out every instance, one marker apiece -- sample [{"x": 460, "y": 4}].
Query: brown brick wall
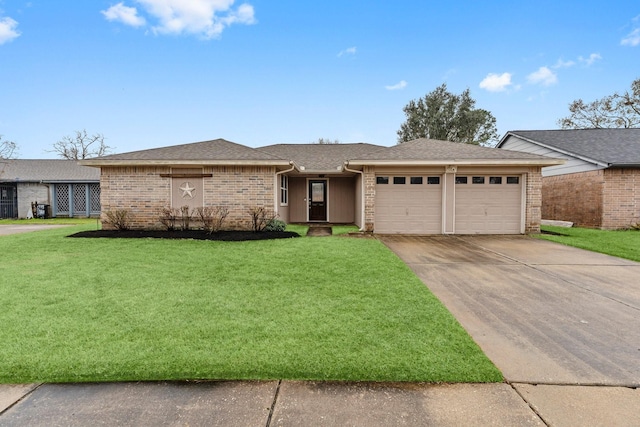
[
  {"x": 533, "y": 201},
  {"x": 143, "y": 192},
  {"x": 369, "y": 197},
  {"x": 621, "y": 198},
  {"x": 576, "y": 197}
]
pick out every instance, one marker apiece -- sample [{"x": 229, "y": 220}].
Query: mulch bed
[{"x": 228, "y": 236}]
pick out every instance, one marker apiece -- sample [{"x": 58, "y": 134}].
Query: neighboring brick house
[
  {"x": 67, "y": 188},
  {"x": 598, "y": 186},
  {"x": 419, "y": 187}
]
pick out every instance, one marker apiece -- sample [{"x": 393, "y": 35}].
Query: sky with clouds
[{"x": 150, "y": 73}]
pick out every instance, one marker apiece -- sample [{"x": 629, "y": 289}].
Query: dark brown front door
[{"x": 317, "y": 200}]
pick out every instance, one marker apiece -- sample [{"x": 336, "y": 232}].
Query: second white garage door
[
  {"x": 488, "y": 204},
  {"x": 408, "y": 205}
]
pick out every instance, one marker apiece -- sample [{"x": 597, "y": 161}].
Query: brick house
[
  {"x": 65, "y": 187},
  {"x": 598, "y": 186},
  {"x": 419, "y": 187}
]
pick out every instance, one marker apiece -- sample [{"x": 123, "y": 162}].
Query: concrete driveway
[{"x": 544, "y": 313}]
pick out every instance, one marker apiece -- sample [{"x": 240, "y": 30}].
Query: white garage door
[
  {"x": 488, "y": 204},
  {"x": 408, "y": 204}
]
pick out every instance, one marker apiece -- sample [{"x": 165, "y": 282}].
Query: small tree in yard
[{"x": 260, "y": 218}]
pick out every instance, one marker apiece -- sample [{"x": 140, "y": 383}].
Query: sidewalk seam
[
  {"x": 273, "y": 404},
  {"x": 529, "y": 404},
  {"x": 24, "y": 396}
]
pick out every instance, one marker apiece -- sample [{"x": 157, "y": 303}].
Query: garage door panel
[
  {"x": 488, "y": 208},
  {"x": 408, "y": 208}
]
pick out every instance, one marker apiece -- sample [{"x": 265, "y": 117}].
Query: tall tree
[
  {"x": 81, "y": 146},
  {"x": 612, "y": 111},
  {"x": 443, "y": 115}
]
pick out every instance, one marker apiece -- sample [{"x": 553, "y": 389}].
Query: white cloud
[
  {"x": 496, "y": 82},
  {"x": 125, "y": 14},
  {"x": 632, "y": 39},
  {"x": 206, "y": 18},
  {"x": 8, "y": 30},
  {"x": 564, "y": 64},
  {"x": 544, "y": 76},
  {"x": 398, "y": 86},
  {"x": 348, "y": 51},
  {"x": 590, "y": 60}
]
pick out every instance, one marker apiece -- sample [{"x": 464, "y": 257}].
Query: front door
[{"x": 318, "y": 200}]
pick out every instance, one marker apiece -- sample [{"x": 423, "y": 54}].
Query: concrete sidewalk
[{"x": 292, "y": 403}]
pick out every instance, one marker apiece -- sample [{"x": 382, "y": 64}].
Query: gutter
[
  {"x": 276, "y": 200},
  {"x": 461, "y": 162},
  {"x": 362, "y": 195}
]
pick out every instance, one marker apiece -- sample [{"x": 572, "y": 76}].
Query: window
[
  {"x": 513, "y": 180},
  {"x": 461, "y": 179},
  {"x": 495, "y": 180},
  {"x": 284, "y": 190},
  {"x": 399, "y": 180},
  {"x": 416, "y": 180},
  {"x": 382, "y": 180},
  {"x": 477, "y": 180},
  {"x": 433, "y": 180}
]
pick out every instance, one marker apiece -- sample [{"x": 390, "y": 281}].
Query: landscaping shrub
[
  {"x": 275, "y": 225},
  {"x": 212, "y": 217},
  {"x": 119, "y": 219},
  {"x": 168, "y": 218},
  {"x": 185, "y": 217},
  {"x": 260, "y": 218}
]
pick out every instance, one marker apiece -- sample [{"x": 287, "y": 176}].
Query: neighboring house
[
  {"x": 598, "y": 186},
  {"x": 67, "y": 187},
  {"x": 419, "y": 187}
]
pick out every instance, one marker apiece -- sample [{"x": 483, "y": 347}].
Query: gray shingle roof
[
  {"x": 46, "y": 171},
  {"x": 214, "y": 150},
  {"x": 617, "y": 147},
  {"x": 320, "y": 157},
  {"x": 435, "y": 150}
]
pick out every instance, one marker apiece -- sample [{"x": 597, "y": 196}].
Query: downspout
[
  {"x": 362, "y": 196},
  {"x": 276, "y": 204}
]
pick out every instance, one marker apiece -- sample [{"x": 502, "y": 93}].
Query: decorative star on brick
[{"x": 187, "y": 190}]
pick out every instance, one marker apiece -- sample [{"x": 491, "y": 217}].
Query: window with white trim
[{"x": 284, "y": 190}]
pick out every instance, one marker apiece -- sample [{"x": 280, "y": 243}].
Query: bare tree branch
[
  {"x": 81, "y": 146},
  {"x": 611, "y": 111},
  {"x": 8, "y": 149}
]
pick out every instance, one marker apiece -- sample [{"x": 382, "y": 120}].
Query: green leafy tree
[
  {"x": 449, "y": 117},
  {"x": 612, "y": 111}
]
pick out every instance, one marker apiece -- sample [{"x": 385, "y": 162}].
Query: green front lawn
[
  {"x": 620, "y": 243},
  {"x": 145, "y": 309},
  {"x": 50, "y": 221}
]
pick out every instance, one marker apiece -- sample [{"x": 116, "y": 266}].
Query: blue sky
[{"x": 151, "y": 73}]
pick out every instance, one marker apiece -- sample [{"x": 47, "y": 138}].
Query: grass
[
  {"x": 620, "y": 243},
  {"x": 337, "y": 230},
  {"x": 76, "y": 310},
  {"x": 50, "y": 221}
]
